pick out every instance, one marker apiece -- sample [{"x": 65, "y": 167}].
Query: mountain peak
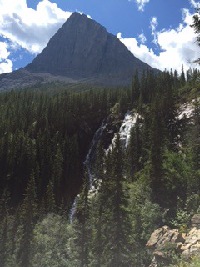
[
  {"x": 83, "y": 49},
  {"x": 78, "y": 15},
  {"x": 77, "y": 18}
]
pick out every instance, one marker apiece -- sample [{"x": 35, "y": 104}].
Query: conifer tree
[
  {"x": 182, "y": 78},
  {"x": 117, "y": 228},
  {"x": 196, "y": 26},
  {"x": 143, "y": 89},
  {"x": 82, "y": 226},
  {"x": 176, "y": 82},
  {"x": 29, "y": 217},
  {"x": 134, "y": 150},
  {"x": 135, "y": 90},
  {"x": 98, "y": 211},
  {"x": 169, "y": 109},
  {"x": 57, "y": 172},
  {"x": 196, "y": 147},
  {"x": 156, "y": 152},
  {"x": 4, "y": 214},
  {"x": 50, "y": 203}
]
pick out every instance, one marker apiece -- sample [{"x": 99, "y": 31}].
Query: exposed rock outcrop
[
  {"x": 195, "y": 221},
  {"x": 165, "y": 242}
]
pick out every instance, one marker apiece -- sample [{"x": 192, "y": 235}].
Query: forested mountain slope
[{"x": 45, "y": 137}]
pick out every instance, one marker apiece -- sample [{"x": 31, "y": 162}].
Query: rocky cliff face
[
  {"x": 82, "y": 51},
  {"x": 83, "y": 48},
  {"x": 164, "y": 243}
]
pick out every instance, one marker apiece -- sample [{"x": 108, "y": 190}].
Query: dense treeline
[
  {"x": 47, "y": 136},
  {"x": 44, "y": 138}
]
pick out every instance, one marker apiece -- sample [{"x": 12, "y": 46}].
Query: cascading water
[
  {"x": 92, "y": 150},
  {"x": 124, "y": 133},
  {"x": 125, "y": 129},
  {"x": 88, "y": 163}
]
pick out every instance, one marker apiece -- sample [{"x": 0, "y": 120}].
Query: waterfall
[
  {"x": 88, "y": 163},
  {"x": 125, "y": 129},
  {"x": 73, "y": 210},
  {"x": 124, "y": 133},
  {"x": 127, "y": 124},
  {"x": 92, "y": 150}
]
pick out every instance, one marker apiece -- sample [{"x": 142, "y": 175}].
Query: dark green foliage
[
  {"x": 196, "y": 136},
  {"x": 134, "y": 151},
  {"x": 109, "y": 217},
  {"x": 44, "y": 139},
  {"x": 183, "y": 80},
  {"x": 135, "y": 90},
  {"x": 117, "y": 229},
  {"x": 4, "y": 212},
  {"x": 49, "y": 134},
  {"x": 196, "y": 26},
  {"x": 82, "y": 226},
  {"x": 28, "y": 219},
  {"x": 50, "y": 203}
]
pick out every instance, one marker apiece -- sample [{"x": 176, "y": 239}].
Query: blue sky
[{"x": 156, "y": 31}]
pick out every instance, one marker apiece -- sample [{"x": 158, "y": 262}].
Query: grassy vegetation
[{"x": 195, "y": 262}]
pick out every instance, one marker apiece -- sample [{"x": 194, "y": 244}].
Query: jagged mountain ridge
[{"x": 81, "y": 51}]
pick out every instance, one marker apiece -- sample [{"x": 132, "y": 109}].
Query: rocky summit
[
  {"x": 83, "y": 48},
  {"x": 81, "y": 51}
]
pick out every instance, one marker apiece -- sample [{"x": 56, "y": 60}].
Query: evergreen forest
[{"x": 45, "y": 135}]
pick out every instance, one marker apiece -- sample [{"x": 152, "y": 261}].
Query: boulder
[
  {"x": 164, "y": 235},
  {"x": 165, "y": 242},
  {"x": 195, "y": 221},
  {"x": 191, "y": 245}
]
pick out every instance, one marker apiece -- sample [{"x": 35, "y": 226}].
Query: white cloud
[
  {"x": 194, "y": 3},
  {"x": 153, "y": 23},
  {"x": 141, "y": 4},
  {"x": 5, "y": 63},
  {"x": 119, "y": 35},
  {"x": 153, "y": 26},
  {"x": 3, "y": 51},
  {"x": 177, "y": 46},
  {"x": 142, "y": 38},
  {"x": 29, "y": 28},
  {"x": 6, "y": 66}
]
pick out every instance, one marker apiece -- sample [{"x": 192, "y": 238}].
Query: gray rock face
[
  {"x": 81, "y": 51},
  {"x": 82, "y": 48}
]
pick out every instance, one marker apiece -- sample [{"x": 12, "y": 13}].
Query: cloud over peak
[
  {"x": 177, "y": 46},
  {"x": 31, "y": 29},
  {"x": 5, "y": 63},
  {"x": 142, "y": 38}
]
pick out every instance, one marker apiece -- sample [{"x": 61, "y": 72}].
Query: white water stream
[
  {"x": 87, "y": 163},
  {"x": 124, "y": 133},
  {"x": 125, "y": 129}
]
